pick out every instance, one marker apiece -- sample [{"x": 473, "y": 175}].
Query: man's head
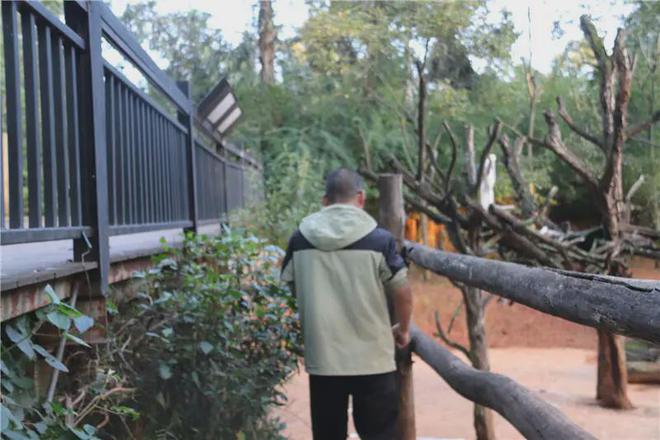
[{"x": 344, "y": 186}]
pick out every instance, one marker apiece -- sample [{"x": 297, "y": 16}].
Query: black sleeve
[
  {"x": 289, "y": 250},
  {"x": 393, "y": 258}
]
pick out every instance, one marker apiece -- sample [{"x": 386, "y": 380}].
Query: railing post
[
  {"x": 94, "y": 181},
  {"x": 187, "y": 120},
  {"x": 391, "y": 217}
]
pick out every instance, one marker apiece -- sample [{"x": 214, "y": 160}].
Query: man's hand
[
  {"x": 401, "y": 339},
  {"x": 403, "y": 310}
]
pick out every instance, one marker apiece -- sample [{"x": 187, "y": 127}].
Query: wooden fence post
[
  {"x": 391, "y": 216},
  {"x": 94, "y": 177}
]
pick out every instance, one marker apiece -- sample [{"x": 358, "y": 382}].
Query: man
[{"x": 342, "y": 267}]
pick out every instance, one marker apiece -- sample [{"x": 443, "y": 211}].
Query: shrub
[{"x": 210, "y": 339}]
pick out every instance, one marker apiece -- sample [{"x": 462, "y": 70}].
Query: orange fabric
[{"x": 435, "y": 233}]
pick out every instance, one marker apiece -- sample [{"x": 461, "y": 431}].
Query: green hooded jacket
[{"x": 341, "y": 266}]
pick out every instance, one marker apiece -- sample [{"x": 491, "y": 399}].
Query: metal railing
[{"x": 89, "y": 153}]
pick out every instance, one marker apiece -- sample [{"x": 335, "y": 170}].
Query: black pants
[{"x": 375, "y": 406}]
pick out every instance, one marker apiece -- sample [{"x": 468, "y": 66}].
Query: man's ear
[
  {"x": 325, "y": 201},
  {"x": 360, "y": 199}
]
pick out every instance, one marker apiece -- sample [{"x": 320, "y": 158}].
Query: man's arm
[
  {"x": 286, "y": 273},
  {"x": 403, "y": 305},
  {"x": 394, "y": 275}
]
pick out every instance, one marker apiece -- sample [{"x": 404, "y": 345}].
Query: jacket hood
[{"x": 336, "y": 226}]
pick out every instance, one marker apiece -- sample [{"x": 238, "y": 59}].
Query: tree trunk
[
  {"x": 475, "y": 314},
  {"x": 391, "y": 216},
  {"x": 267, "y": 36},
  {"x": 424, "y": 228},
  {"x": 612, "y": 373}
]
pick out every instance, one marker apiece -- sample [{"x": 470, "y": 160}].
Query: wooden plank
[
  {"x": 48, "y": 125},
  {"x": 14, "y": 129},
  {"x": 531, "y": 416},
  {"x": 619, "y": 305},
  {"x": 32, "y": 125}
]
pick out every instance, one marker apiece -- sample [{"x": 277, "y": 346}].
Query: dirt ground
[{"x": 549, "y": 355}]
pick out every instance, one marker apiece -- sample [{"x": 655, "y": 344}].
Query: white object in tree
[{"x": 487, "y": 187}]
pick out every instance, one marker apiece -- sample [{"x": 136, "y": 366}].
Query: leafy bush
[
  {"x": 211, "y": 338},
  {"x": 23, "y": 413}
]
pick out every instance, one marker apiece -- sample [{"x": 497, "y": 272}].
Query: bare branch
[
  {"x": 606, "y": 77},
  {"x": 494, "y": 133},
  {"x": 634, "y": 188},
  {"x": 454, "y": 149},
  {"x": 520, "y": 186},
  {"x": 624, "y": 69},
  {"x": 419, "y": 206},
  {"x": 469, "y": 155},
  {"x": 453, "y": 344},
  {"x": 554, "y": 143},
  {"x": 454, "y": 315},
  {"x": 643, "y": 126},
  {"x": 582, "y": 133}
]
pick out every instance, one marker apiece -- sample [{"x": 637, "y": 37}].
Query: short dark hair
[{"x": 342, "y": 184}]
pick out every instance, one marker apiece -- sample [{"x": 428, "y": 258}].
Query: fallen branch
[{"x": 620, "y": 305}]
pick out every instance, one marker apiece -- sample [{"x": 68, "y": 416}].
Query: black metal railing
[
  {"x": 92, "y": 155},
  {"x": 42, "y": 126}
]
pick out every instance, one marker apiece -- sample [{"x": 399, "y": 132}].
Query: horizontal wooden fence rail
[
  {"x": 91, "y": 154},
  {"x": 620, "y": 305},
  {"x": 530, "y": 415}
]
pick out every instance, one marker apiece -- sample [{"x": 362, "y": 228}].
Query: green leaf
[
  {"x": 59, "y": 320},
  {"x": 206, "y": 347},
  {"x": 167, "y": 332},
  {"x": 21, "y": 340},
  {"x": 54, "y": 299},
  {"x": 5, "y": 415},
  {"x": 69, "y": 311},
  {"x": 165, "y": 371},
  {"x": 83, "y": 323},
  {"x": 77, "y": 340},
  {"x": 50, "y": 359}
]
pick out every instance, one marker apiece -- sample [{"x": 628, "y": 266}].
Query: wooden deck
[{"x": 27, "y": 267}]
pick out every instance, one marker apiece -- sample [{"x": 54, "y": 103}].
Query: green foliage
[
  {"x": 298, "y": 178},
  {"x": 213, "y": 335},
  {"x": 24, "y": 414},
  {"x": 347, "y": 87}
]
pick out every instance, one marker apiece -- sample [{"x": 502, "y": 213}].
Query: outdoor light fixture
[{"x": 219, "y": 110}]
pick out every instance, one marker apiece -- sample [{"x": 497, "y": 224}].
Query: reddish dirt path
[{"x": 549, "y": 355}]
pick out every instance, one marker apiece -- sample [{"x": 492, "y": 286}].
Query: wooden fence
[
  {"x": 620, "y": 305},
  {"x": 90, "y": 154}
]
